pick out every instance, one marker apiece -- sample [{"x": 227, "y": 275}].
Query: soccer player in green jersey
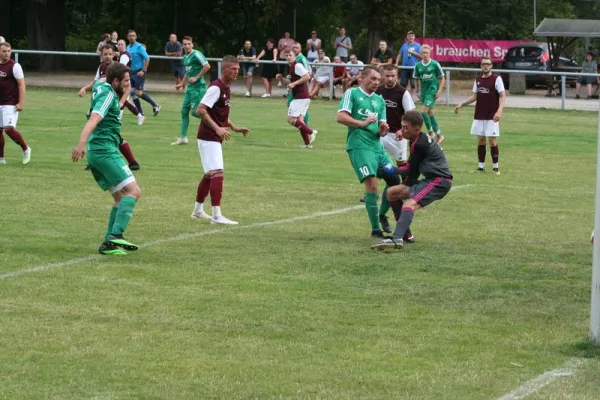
[
  {"x": 100, "y": 138},
  {"x": 364, "y": 113},
  {"x": 430, "y": 78},
  {"x": 196, "y": 67}
]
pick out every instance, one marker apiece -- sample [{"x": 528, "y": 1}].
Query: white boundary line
[
  {"x": 46, "y": 267},
  {"x": 539, "y": 382}
]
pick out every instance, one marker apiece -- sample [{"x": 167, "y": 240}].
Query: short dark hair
[
  {"x": 130, "y": 31},
  {"x": 410, "y": 33},
  {"x": 271, "y": 40},
  {"x": 230, "y": 60},
  {"x": 414, "y": 118},
  {"x": 390, "y": 68},
  {"x": 487, "y": 58},
  {"x": 589, "y": 53},
  {"x": 188, "y": 38},
  {"x": 106, "y": 46},
  {"x": 116, "y": 70},
  {"x": 367, "y": 70}
]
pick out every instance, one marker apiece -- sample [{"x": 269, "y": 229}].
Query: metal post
[
  {"x": 595, "y": 304},
  {"x": 16, "y": 57},
  {"x": 331, "y": 88},
  {"x": 424, "y": 15},
  {"x": 294, "y": 23},
  {"x": 219, "y": 68},
  {"x": 563, "y": 91},
  {"x": 534, "y": 14},
  {"x": 447, "y": 88}
]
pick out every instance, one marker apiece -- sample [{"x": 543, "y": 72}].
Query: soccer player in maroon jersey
[
  {"x": 214, "y": 113},
  {"x": 12, "y": 99},
  {"x": 107, "y": 59},
  {"x": 488, "y": 91}
]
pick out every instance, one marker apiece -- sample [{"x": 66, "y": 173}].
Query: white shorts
[
  {"x": 211, "y": 155},
  {"x": 324, "y": 80},
  {"x": 8, "y": 116},
  {"x": 298, "y": 107},
  {"x": 487, "y": 128},
  {"x": 396, "y": 149}
]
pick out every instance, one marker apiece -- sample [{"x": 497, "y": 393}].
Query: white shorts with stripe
[
  {"x": 487, "y": 128},
  {"x": 396, "y": 149},
  {"x": 8, "y": 116},
  {"x": 298, "y": 107},
  {"x": 211, "y": 155}
]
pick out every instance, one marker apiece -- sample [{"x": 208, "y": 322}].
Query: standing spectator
[
  {"x": 589, "y": 66},
  {"x": 383, "y": 56},
  {"x": 173, "y": 49},
  {"x": 408, "y": 56},
  {"x": 105, "y": 40},
  {"x": 284, "y": 47},
  {"x": 269, "y": 71},
  {"x": 248, "y": 53},
  {"x": 343, "y": 43},
  {"x": 353, "y": 69},
  {"x": 313, "y": 45},
  {"x": 114, "y": 39},
  {"x": 322, "y": 74}
]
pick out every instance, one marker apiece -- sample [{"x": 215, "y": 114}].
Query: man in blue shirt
[
  {"x": 139, "y": 68},
  {"x": 408, "y": 56}
]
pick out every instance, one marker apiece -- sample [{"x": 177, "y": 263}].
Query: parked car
[{"x": 535, "y": 57}]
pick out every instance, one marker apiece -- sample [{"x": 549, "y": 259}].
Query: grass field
[{"x": 292, "y": 303}]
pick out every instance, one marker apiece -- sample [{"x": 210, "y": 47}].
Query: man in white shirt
[{"x": 353, "y": 68}]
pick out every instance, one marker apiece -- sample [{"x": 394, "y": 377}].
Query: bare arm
[
  {"x": 398, "y": 58},
  {"x": 243, "y": 131},
  {"x": 374, "y": 61},
  {"x": 86, "y": 88},
  {"x": 305, "y": 78},
  {"x": 390, "y": 61},
  {"x": 80, "y": 147},
  {"x": 441, "y": 84},
  {"x": 21, "y": 85},
  {"x": 146, "y": 64},
  {"x": 466, "y": 102},
  {"x": 346, "y": 119},
  {"x": 498, "y": 114},
  {"x": 275, "y": 54},
  {"x": 261, "y": 54}
]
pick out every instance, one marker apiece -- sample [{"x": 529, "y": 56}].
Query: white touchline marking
[
  {"x": 537, "y": 383},
  {"x": 541, "y": 189},
  {"x": 185, "y": 236}
]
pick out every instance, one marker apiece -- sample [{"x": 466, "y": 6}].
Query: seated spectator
[
  {"x": 313, "y": 45},
  {"x": 353, "y": 69},
  {"x": 589, "y": 66},
  {"x": 322, "y": 74},
  {"x": 248, "y": 53},
  {"x": 269, "y": 71},
  {"x": 383, "y": 56},
  {"x": 339, "y": 73}
]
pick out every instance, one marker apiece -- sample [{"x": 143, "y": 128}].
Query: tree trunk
[
  {"x": 46, "y": 30},
  {"x": 6, "y": 25}
]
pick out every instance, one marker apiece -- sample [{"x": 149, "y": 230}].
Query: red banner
[{"x": 468, "y": 51}]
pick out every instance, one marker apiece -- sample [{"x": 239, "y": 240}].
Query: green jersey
[
  {"x": 105, "y": 102},
  {"x": 361, "y": 105},
  {"x": 428, "y": 75},
  {"x": 194, "y": 62},
  {"x": 304, "y": 61}
]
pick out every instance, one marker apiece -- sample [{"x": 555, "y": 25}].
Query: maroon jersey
[
  {"x": 101, "y": 71},
  {"x": 126, "y": 53},
  {"x": 218, "y": 101},
  {"x": 300, "y": 91},
  {"x": 394, "y": 109},
  {"x": 488, "y": 97},
  {"x": 9, "y": 89}
]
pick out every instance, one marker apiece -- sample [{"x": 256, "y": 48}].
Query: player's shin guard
[
  {"x": 124, "y": 214},
  {"x": 481, "y": 155},
  {"x": 495, "y": 155},
  {"x": 434, "y": 123},
  {"x": 385, "y": 204},
  {"x": 372, "y": 210},
  {"x": 216, "y": 190},
  {"x": 111, "y": 221},
  {"x": 427, "y": 121},
  {"x": 203, "y": 189},
  {"x": 125, "y": 149},
  {"x": 185, "y": 121},
  {"x": 404, "y": 222},
  {"x": 16, "y": 137}
]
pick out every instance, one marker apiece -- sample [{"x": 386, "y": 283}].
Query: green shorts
[
  {"x": 193, "y": 97},
  {"x": 109, "y": 170},
  {"x": 367, "y": 162},
  {"x": 428, "y": 100}
]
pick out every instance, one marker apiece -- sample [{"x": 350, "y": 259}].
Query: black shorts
[
  {"x": 137, "y": 82},
  {"x": 427, "y": 191}
]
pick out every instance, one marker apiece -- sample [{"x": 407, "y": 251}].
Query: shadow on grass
[{"x": 583, "y": 349}]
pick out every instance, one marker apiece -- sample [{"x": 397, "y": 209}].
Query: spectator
[
  {"x": 313, "y": 45},
  {"x": 173, "y": 49},
  {"x": 322, "y": 74},
  {"x": 114, "y": 40},
  {"x": 589, "y": 66},
  {"x": 269, "y": 71},
  {"x": 408, "y": 56},
  {"x": 343, "y": 43},
  {"x": 353, "y": 69},
  {"x": 105, "y": 40},
  {"x": 284, "y": 47},
  {"x": 248, "y": 53},
  {"x": 383, "y": 56}
]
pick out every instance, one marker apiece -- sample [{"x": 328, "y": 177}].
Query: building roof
[{"x": 553, "y": 27}]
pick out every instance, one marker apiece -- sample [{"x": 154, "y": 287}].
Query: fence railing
[{"x": 447, "y": 70}]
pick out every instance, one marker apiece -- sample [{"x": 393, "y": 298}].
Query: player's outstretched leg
[
  {"x": 18, "y": 139},
  {"x": 155, "y": 106},
  {"x": 125, "y": 149},
  {"x": 127, "y": 199},
  {"x": 427, "y": 121},
  {"x": 108, "y": 248},
  {"x": 138, "y": 103}
]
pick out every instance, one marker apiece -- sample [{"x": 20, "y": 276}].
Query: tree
[{"x": 46, "y": 30}]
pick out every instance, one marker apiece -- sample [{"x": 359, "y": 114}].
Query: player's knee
[
  {"x": 292, "y": 120},
  {"x": 139, "y": 93},
  {"x": 370, "y": 184},
  {"x": 133, "y": 190},
  {"x": 410, "y": 203},
  {"x": 430, "y": 112},
  {"x": 493, "y": 142},
  {"x": 481, "y": 140}
]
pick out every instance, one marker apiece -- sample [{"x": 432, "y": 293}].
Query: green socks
[
  {"x": 434, "y": 123},
  {"x": 185, "y": 121},
  {"x": 372, "y": 210},
  {"x": 307, "y": 119},
  {"x": 123, "y": 215},
  {"x": 385, "y": 204},
  {"x": 427, "y": 121},
  {"x": 111, "y": 222}
]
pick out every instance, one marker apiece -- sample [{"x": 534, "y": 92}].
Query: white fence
[{"x": 448, "y": 70}]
